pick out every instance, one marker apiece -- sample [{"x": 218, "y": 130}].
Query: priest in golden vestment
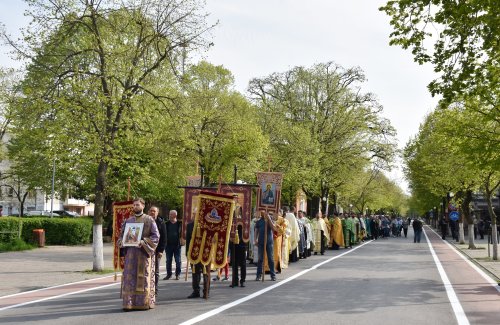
[
  {"x": 336, "y": 233},
  {"x": 321, "y": 234},
  {"x": 278, "y": 234},
  {"x": 328, "y": 230}
]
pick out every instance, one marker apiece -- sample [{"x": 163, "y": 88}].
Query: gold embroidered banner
[
  {"x": 121, "y": 212},
  {"x": 212, "y": 226},
  {"x": 243, "y": 209}
]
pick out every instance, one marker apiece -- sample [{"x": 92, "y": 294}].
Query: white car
[{"x": 41, "y": 213}]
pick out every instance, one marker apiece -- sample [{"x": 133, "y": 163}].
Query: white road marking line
[
  {"x": 58, "y": 296},
  {"x": 57, "y": 286},
  {"x": 452, "y": 297},
  {"x": 61, "y": 295},
  {"x": 474, "y": 266},
  {"x": 260, "y": 292}
]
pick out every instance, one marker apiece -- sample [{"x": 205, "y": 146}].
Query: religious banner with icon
[
  {"x": 242, "y": 193},
  {"x": 190, "y": 207},
  {"x": 212, "y": 225},
  {"x": 121, "y": 212},
  {"x": 269, "y": 192},
  {"x": 243, "y": 215}
]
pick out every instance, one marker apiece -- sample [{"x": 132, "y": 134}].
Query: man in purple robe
[{"x": 138, "y": 279}]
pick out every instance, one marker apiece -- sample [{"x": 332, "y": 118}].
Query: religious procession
[{"x": 221, "y": 229}]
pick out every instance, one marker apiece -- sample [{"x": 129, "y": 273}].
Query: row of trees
[
  {"x": 108, "y": 93},
  {"x": 458, "y": 146}
]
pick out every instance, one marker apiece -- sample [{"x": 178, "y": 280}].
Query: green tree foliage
[
  {"x": 220, "y": 125},
  {"x": 372, "y": 190},
  {"x": 453, "y": 152},
  {"x": 323, "y": 130},
  {"x": 461, "y": 39},
  {"x": 97, "y": 72}
]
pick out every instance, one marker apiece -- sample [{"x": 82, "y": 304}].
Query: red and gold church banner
[
  {"x": 269, "y": 192},
  {"x": 243, "y": 212},
  {"x": 121, "y": 212},
  {"x": 212, "y": 225}
]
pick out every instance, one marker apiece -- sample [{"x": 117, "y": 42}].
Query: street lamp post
[{"x": 52, "y": 195}]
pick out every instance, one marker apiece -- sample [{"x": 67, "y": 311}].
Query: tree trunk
[
  {"x": 489, "y": 193},
  {"x": 461, "y": 234},
  {"x": 97, "y": 245},
  {"x": 467, "y": 216},
  {"x": 97, "y": 248},
  {"x": 472, "y": 244},
  {"x": 493, "y": 227}
]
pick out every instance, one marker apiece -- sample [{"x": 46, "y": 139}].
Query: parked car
[
  {"x": 41, "y": 213},
  {"x": 65, "y": 213}
]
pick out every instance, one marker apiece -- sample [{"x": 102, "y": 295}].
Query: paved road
[{"x": 390, "y": 281}]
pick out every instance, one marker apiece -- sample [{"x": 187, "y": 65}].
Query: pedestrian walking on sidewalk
[
  {"x": 481, "y": 227},
  {"x": 444, "y": 228}
]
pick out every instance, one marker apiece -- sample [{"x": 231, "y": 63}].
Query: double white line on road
[{"x": 261, "y": 292}]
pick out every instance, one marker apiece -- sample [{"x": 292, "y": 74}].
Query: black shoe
[
  {"x": 242, "y": 284},
  {"x": 258, "y": 278},
  {"x": 194, "y": 295},
  {"x": 177, "y": 277},
  {"x": 315, "y": 253},
  {"x": 167, "y": 277},
  {"x": 273, "y": 278}
]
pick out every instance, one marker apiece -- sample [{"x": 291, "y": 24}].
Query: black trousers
[
  {"x": 157, "y": 272},
  {"x": 293, "y": 256},
  {"x": 196, "y": 278},
  {"x": 239, "y": 261},
  {"x": 323, "y": 242}
]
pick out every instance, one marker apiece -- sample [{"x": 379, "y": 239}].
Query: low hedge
[
  {"x": 58, "y": 231},
  {"x": 9, "y": 229}
]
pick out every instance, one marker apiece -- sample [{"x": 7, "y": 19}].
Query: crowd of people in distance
[{"x": 297, "y": 237}]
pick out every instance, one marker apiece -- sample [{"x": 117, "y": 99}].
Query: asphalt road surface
[{"x": 387, "y": 281}]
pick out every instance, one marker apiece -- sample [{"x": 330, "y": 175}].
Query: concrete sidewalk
[{"x": 48, "y": 266}]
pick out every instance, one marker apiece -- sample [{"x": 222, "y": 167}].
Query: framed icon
[
  {"x": 269, "y": 192},
  {"x": 132, "y": 234}
]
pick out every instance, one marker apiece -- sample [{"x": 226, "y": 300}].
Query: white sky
[{"x": 256, "y": 38}]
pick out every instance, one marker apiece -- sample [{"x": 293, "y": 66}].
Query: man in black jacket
[
  {"x": 173, "y": 244},
  {"x": 153, "y": 212},
  {"x": 417, "y": 229}
]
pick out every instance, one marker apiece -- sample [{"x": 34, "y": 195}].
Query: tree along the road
[
  {"x": 460, "y": 39},
  {"x": 434, "y": 164},
  {"x": 220, "y": 126},
  {"x": 323, "y": 129},
  {"x": 96, "y": 69},
  {"x": 454, "y": 152},
  {"x": 477, "y": 138},
  {"x": 373, "y": 191}
]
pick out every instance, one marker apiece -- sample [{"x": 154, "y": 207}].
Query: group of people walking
[{"x": 276, "y": 240}]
